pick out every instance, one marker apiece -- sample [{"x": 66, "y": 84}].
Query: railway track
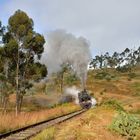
[{"x": 30, "y": 131}]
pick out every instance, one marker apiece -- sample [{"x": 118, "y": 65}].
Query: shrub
[
  {"x": 136, "y": 94},
  {"x": 131, "y": 75},
  {"x": 104, "y": 75},
  {"x": 129, "y": 79},
  {"x": 114, "y": 104},
  {"x": 123, "y": 69},
  {"x": 101, "y": 75},
  {"x": 108, "y": 77},
  {"x": 126, "y": 125},
  {"x": 101, "y": 93}
]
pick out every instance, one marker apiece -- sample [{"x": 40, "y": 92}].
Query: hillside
[
  {"x": 113, "y": 90},
  {"x": 112, "y": 95}
]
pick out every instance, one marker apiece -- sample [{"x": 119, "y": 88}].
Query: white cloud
[{"x": 110, "y": 25}]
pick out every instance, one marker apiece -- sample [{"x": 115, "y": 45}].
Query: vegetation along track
[{"x": 29, "y": 131}]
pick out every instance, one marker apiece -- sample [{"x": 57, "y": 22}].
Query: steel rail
[{"x": 28, "y": 131}]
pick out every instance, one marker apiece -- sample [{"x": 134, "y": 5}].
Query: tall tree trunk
[
  {"x": 17, "y": 85},
  {"x": 17, "y": 102},
  {"x": 5, "y": 100},
  {"x": 6, "y": 69},
  {"x": 0, "y": 97},
  {"x": 61, "y": 83},
  {"x": 20, "y": 102}
]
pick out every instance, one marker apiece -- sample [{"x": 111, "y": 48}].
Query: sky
[{"x": 109, "y": 25}]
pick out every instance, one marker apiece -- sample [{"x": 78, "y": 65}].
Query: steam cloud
[
  {"x": 65, "y": 48},
  {"x": 73, "y": 91}
]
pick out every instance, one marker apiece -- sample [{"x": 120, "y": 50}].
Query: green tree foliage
[
  {"x": 100, "y": 60},
  {"x": 64, "y": 76},
  {"x": 123, "y": 61},
  {"x": 2, "y": 28},
  {"x": 94, "y": 63},
  {"x": 71, "y": 79},
  {"x": 5, "y": 90},
  {"x": 60, "y": 76},
  {"x": 22, "y": 45}
]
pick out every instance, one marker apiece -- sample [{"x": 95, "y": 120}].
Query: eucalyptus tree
[
  {"x": 22, "y": 46},
  {"x": 106, "y": 59},
  {"x": 1, "y": 60},
  {"x": 2, "y": 28},
  {"x": 60, "y": 75},
  {"x": 111, "y": 62},
  {"x": 138, "y": 57},
  {"x": 126, "y": 51},
  {"x": 100, "y": 60},
  {"x": 128, "y": 59},
  {"x": 93, "y": 63},
  {"x": 125, "y": 55},
  {"x": 131, "y": 59},
  {"x": 5, "y": 91}
]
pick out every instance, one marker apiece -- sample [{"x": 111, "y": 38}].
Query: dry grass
[
  {"x": 120, "y": 88},
  {"x": 89, "y": 126},
  {"x": 9, "y": 121},
  {"x": 47, "y": 134},
  {"x": 93, "y": 125}
]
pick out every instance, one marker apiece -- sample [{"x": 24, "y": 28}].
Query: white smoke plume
[
  {"x": 65, "y": 48},
  {"x": 73, "y": 91},
  {"x": 93, "y": 101}
]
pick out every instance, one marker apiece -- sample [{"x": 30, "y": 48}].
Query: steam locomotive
[{"x": 84, "y": 99}]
